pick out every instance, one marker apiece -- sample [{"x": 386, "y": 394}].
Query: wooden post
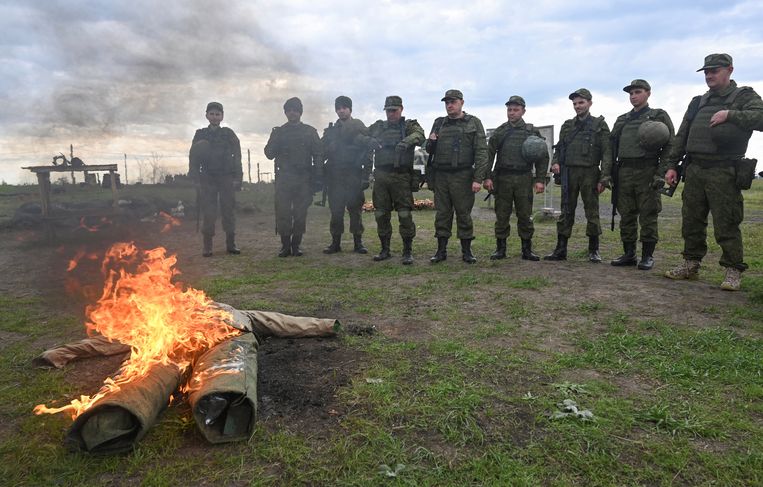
[
  {"x": 113, "y": 177},
  {"x": 71, "y": 156},
  {"x": 249, "y": 164},
  {"x": 125, "y": 168},
  {"x": 258, "y": 172}
]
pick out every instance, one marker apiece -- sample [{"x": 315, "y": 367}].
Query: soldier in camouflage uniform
[
  {"x": 512, "y": 179},
  {"x": 394, "y": 141},
  {"x": 347, "y": 172},
  {"x": 638, "y": 201},
  {"x": 583, "y": 163},
  {"x": 215, "y": 166},
  {"x": 298, "y": 155},
  {"x": 459, "y": 166},
  {"x": 713, "y": 136}
]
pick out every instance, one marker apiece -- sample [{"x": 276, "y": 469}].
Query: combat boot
[
  {"x": 560, "y": 252},
  {"x": 335, "y": 246},
  {"x": 207, "y": 250},
  {"x": 407, "y": 251},
  {"x": 733, "y": 279},
  {"x": 527, "y": 250},
  {"x": 285, "y": 246},
  {"x": 296, "y": 241},
  {"x": 593, "y": 249},
  {"x": 688, "y": 269},
  {"x": 466, "y": 251},
  {"x": 358, "y": 246},
  {"x": 629, "y": 255},
  {"x": 647, "y": 251},
  {"x": 384, "y": 254},
  {"x": 500, "y": 249},
  {"x": 442, "y": 250},
  {"x": 230, "y": 244}
]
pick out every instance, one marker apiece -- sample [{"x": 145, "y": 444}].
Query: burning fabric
[{"x": 177, "y": 338}]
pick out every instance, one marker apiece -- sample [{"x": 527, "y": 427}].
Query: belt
[
  {"x": 514, "y": 172},
  {"x": 638, "y": 162},
  {"x": 389, "y": 169}
]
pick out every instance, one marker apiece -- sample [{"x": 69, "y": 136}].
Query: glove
[
  {"x": 558, "y": 179},
  {"x": 658, "y": 182},
  {"x": 401, "y": 147}
]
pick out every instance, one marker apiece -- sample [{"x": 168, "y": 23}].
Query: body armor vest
[
  {"x": 510, "y": 152},
  {"x": 727, "y": 139},
  {"x": 295, "y": 151},
  {"x": 584, "y": 150},
  {"x": 389, "y": 137},
  {"x": 456, "y": 140},
  {"x": 220, "y": 158}
]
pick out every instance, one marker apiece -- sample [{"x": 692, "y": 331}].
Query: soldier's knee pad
[
  {"x": 404, "y": 214},
  {"x": 381, "y": 214}
]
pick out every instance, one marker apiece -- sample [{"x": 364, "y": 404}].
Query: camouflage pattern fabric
[
  {"x": 218, "y": 188},
  {"x": 638, "y": 203},
  {"x": 582, "y": 181},
  {"x": 392, "y": 191},
  {"x": 514, "y": 191},
  {"x": 453, "y": 192}
]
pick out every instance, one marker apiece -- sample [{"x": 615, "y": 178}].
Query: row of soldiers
[{"x": 635, "y": 159}]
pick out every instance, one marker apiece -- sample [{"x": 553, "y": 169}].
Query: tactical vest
[
  {"x": 343, "y": 150},
  {"x": 700, "y": 139},
  {"x": 510, "y": 148},
  {"x": 220, "y": 158},
  {"x": 389, "y": 137},
  {"x": 584, "y": 149},
  {"x": 628, "y": 143},
  {"x": 295, "y": 147},
  {"x": 456, "y": 140}
]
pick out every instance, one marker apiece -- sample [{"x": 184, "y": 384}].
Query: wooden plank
[{"x": 93, "y": 168}]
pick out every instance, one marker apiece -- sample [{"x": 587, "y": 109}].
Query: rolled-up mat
[
  {"x": 116, "y": 422},
  {"x": 223, "y": 390},
  {"x": 95, "y": 346}
]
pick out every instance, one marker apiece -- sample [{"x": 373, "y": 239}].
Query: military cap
[
  {"x": 580, "y": 92},
  {"x": 343, "y": 101},
  {"x": 393, "y": 102},
  {"x": 293, "y": 104},
  {"x": 516, "y": 100},
  {"x": 638, "y": 83},
  {"x": 214, "y": 105},
  {"x": 717, "y": 61},
  {"x": 453, "y": 94}
]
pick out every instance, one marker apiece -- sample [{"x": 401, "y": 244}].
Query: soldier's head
[
  {"x": 515, "y": 108},
  {"x": 293, "y": 109},
  {"x": 215, "y": 113},
  {"x": 393, "y": 107},
  {"x": 454, "y": 103},
  {"x": 581, "y": 101},
  {"x": 343, "y": 107},
  {"x": 718, "y": 69},
  {"x": 639, "y": 91}
]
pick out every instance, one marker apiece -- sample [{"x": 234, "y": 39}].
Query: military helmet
[
  {"x": 534, "y": 149},
  {"x": 653, "y": 135},
  {"x": 199, "y": 151}
]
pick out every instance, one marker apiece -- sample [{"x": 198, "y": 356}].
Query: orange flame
[
  {"x": 141, "y": 307},
  {"x": 171, "y": 222}
]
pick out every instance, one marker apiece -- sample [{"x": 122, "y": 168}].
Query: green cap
[
  {"x": 580, "y": 92},
  {"x": 214, "y": 105},
  {"x": 393, "y": 102},
  {"x": 716, "y": 61},
  {"x": 638, "y": 83},
  {"x": 453, "y": 94},
  {"x": 343, "y": 101},
  {"x": 293, "y": 104},
  {"x": 516, "y": 100}
]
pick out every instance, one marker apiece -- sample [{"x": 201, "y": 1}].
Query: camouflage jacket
[
  {"x": 295, "y": 147},
  {"x": 506, "y": 143},
  {"x": 585, "y": 143},
  {"x": 461, "y": 143},
  {"x": 389, "y": 135},
  {"x": 223, "y": 156}
]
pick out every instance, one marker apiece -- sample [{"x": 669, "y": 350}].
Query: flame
[
  {"x": 171, "y": 222},
  {"x": 141, "y": 307},
  {"x": 94, "y": 228}
]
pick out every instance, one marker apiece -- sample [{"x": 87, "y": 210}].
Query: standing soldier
[
  {"x": 582, "y": 164},
  {"x": 298, "y": 156},
  {"x": 458, "y": 164},
  {"x": 394, "y": 141},
  {"x": 713, "y": 138},
  {"x": 347, "y": 170},
  {"x": 215, "y": 167},
  {"x": 639, "y": 137},
  {"x": 519, "y": 146}
]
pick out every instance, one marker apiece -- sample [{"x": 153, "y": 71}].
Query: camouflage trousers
[
  {"x": 213, "y": 189},
  {"x": 392, "y": 191},
  {"x": 638, "y": 203},
  {"x": 453, "y": 192},
  {"x": 514, "y": 191},
  {"x": 343, "y": 188},
  {"x": 712, "y": 190},
  {"x": 582, "y": 181},
  {"x": 292, "y": 199}
]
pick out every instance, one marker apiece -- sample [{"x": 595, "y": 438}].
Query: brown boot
[
  {"x": 688, "y": 269},
  {"x": 733, "y": 279}
]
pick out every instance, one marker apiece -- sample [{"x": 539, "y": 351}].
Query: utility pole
[
  {"x": 249, "y": 164},
  {"x": 258, "y": 172},
  {"x": 125, "y": 168},
  {"x": 71, "y": 156}
]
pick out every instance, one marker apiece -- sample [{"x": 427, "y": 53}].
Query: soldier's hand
[
  {"x": 555, "y": 168},
  {"x": 658, "y": 182},
  {"x": 488, "y": 184},
  {"x": 600, "y": 188},
  {"x": 606, "y": 182},
  {"x": 401, "y": 147},
  {"x": 373, "y": 143},
  {"x": 671, "y": 177},
  {"x": 719, "y": 118},
  {"x": 476, "y": 187},
  {"x": 433, "y": 136},
  {"x": 540, "y": 188}
]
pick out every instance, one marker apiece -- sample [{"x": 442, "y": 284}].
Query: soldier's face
[
  {"x": 215, "y": 117},
  {"x": 292, "y": 115},
  {"x": 454, "y": 106},
  {"x": 718, "y": 78},
  {"x": 581, "y": 105},
  {"x": 514, "y": 112},
  {"x": 343, "y": 113},
  {"x": 639, "y": 97},
  {"x": 394, "y": 114}
]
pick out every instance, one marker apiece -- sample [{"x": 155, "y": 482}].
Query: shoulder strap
[
  {"x": 529, "y": 127},
  {"x": 694, "y": 106},
  {"x": 733, "y": 95}
]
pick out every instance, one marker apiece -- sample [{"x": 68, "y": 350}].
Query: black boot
[
  {"x": 628, "y": 257},
  {"x": 647, "y": 251},
  {"x": 466, "y": 251},
  {"x": 230, "y": 244},
  {"x": 500, "y": 249},
  {"x": 335, "y": 245},
  {"x": 285, "y": 246},
  {"x": 442, "y": 250},
  {"x": 207, "y": 250},
  {"x": 358, "y": 246},
  {"x": 560, "y": 252},
  {"x": 407, "y": 251},
  {"x": 527, "y": 250},
  {"x": 593, "y": 249},
  {"x": 384, "y": 253},
  {"x": 296, "y": 240}
]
